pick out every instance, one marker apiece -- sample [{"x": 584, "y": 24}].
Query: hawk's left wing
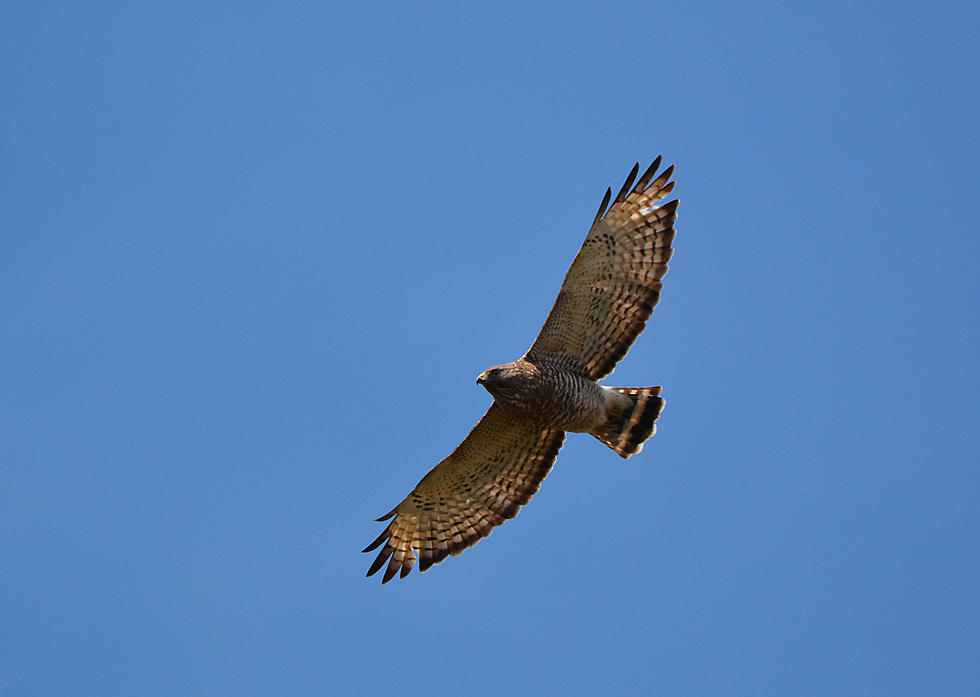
[
  {"x": 614, "y": 283},
  {"x": 495, "y": 470}
]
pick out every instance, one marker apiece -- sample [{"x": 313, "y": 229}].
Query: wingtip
[
  {"x": 406, "y": 569},
  {"x": 602, "y": 206},
  {"x": 393, "y": 566},
  {"x": 645, "y": 178},
  {"x": 628, "y": 183},
  {"x": 383, "y": 537},
  {"x": 379, "y": 561}
]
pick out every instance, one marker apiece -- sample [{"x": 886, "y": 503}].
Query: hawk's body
[
  {"x": 548, "y": 394},
  {"x": 608, "y": 294}
]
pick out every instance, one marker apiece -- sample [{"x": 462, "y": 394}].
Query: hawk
[{"x": 607, "y": 296}]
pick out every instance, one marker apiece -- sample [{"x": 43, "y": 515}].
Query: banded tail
[{"x": 627, "y": 428}]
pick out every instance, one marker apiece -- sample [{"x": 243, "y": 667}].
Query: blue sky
[{"x": 253, "y": 257}]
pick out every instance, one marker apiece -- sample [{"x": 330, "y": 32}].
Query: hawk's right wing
[
  {"x": 614, "y": 283},
  {"x": 495, "y": 470}
]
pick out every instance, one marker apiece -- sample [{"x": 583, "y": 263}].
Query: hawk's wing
[
  {"x": 614, "y": 283},
  {"x": 495, "y": 470}
]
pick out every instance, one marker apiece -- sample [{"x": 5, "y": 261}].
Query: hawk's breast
[{"x": 559, "y": 399}]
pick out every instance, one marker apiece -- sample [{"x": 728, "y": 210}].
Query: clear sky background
[{"x": 254, "y": 256}]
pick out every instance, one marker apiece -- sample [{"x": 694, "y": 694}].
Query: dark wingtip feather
[
  {"x": 628, "y": 183},
  {"x": 602, "y": 206},
  {"x": 386, "y": 516},
  {"x": 392, "y": 569},
  {"x": 381, "y": 538},
  {"x": 379, "y": 561},
  {"x": 641, "y": 183},
  {"x": 664, "y": 177}
]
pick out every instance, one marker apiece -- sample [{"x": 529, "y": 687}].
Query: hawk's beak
[{"x": 482, "y": 379}]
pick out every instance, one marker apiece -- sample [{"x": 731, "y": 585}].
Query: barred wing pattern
[
  {"x": 485, "y": 481},
  {"x": 614, "y": 283}
]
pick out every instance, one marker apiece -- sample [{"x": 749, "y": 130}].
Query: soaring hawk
[{"x": 607, "y": 296}]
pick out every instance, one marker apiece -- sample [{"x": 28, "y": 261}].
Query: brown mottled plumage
[{"x": 607, "y": 296}]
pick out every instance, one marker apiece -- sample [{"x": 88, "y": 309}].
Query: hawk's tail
[{"x": 629, "y": 428}]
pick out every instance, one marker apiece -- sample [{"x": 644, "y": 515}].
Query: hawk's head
[
  {"x": 491, "y": 378},
  {"x": 509, "y": 379}
]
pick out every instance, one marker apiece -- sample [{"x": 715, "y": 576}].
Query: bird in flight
[{"x": 607, "y": 296}]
